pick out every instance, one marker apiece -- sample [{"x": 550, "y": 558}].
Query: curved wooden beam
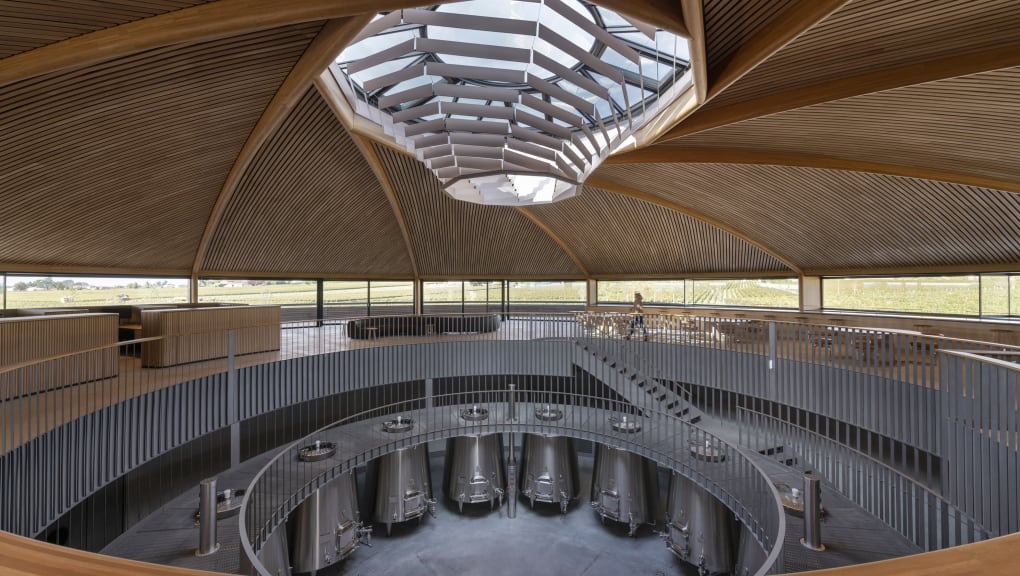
[
  {"x": 670, "y": 154},
  {"x": 611, "y": 186},
  {"x": 20, "y": 556},
  {"x": 327, "y": 44},
  {"x": 995, "y": 556},
  {"x": 219, "y": 19},
  {"x": 1002, "y": 56},
  {"x": 659, "y": 13},
  {"x": 387, "y": 185},
  {"x": 694, "y": 17},
  {"x": 556, "y": 238},
  {"x": 796, "y": 19}
]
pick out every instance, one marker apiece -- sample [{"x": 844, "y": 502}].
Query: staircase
[{"x": 640, "y": 390}]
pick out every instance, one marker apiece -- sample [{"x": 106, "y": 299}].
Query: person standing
[{"x": 637, "y": 312}]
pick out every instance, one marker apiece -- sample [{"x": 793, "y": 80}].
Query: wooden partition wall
[
  {"x": 191, "y": 335},
  {"x": 35, "y": 338}
]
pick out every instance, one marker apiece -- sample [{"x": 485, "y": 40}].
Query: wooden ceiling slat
[
  {"x": 969, "y": 124},
  {"x": 309, "y": 202},
  {"x": 116, "y": 166},
  {"x": 454, "y": 239},
  {"x": 729, "y": 23},
  {"x": 615, "y": 234},
  {"x": 26, "y": 25},
  {"x": 867, "y": 35},
  {"x": 825, "y": 219}
]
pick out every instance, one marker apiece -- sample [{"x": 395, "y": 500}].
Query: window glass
[
  {"x": 392, "y": 297},
  {"x": 958, "y": 295},
  {"x": 296, "y": 298},
  {"x": 548, "y": 297},
  {"x": 442, "y": 297},
  {"x": 654, "y": 292},
  {"x": 995, "y": 295},
  {"x": 749, "y": 292},
  {"x": 92, "y": 291},
  {"x": 344, "y": 298}
]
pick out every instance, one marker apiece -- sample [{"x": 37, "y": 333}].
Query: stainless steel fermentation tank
[
  {"x": 549, "y": 470},
  {"x": 624, "y": 487},
  {"x": 326, "y": 527},
  {"x": 404, "y": 486},
  {"x": 751, "y": 556},
  {"x": 701, "y": 530},
  {"x": 474, "y": 471}
]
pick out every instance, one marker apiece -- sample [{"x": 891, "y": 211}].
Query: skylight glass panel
[{"x": 560, "y": 80}]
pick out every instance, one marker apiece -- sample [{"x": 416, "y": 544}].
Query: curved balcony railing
[
  {"x": 917, "y": 403},
  {"x": 729, "y": 474}
]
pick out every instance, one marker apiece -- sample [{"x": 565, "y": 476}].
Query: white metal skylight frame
[{"x": 488, "y": 94}]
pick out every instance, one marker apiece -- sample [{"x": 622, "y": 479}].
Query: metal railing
[
  {"x": 67, "y": 432},
  {"x": 918, "y": 513},
  {"x": 723, "y": 470},
  {"x": 980, "y": 450}
]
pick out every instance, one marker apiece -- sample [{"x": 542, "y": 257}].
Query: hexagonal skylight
[{"x": 512, "y": 102}]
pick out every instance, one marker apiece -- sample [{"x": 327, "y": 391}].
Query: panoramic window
[
  {"x": 956, "y": 295},
  {"x": 344, "y": 298},
  {"x": 296, "y": 298},
  {"x": 387, "y": 298},
  {"x": 512, "y": 102},
  {"x": 749, "y": 292},
  {"x": 663, "y": 292},
  {"x": 91, "y": 291},
  {"x": 549, "y": 297}
]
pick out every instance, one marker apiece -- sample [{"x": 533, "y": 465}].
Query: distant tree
[
  {"x": 132, "y": 286},
  {"x": 20, "y": 286},
  {"x": 65, "y": 285}
]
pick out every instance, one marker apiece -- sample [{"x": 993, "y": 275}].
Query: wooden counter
[
  {"x": 195, "y": 334},
  {"x": 34, "y": 338}
]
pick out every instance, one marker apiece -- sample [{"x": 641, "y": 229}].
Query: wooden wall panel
[
  {"x": 309, "y": 203},
  {"x": 191, "y": 335},
  {"x": 459, "y": 239},
  {"x": 969, "y": 124},
  {"x": 118, "y": 165},
  {"x": 25, "y": 25},
  {"x": 829, "y": 219},
  {"x": 729, "y": 23},
  {"x": 870, "y": 34},
  {"x": 614, "y": 234},
  {"x": 33, "y": 338}
]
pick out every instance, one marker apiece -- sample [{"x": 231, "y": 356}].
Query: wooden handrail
[
  {"x": 995, "y": 556},
  {"x": 20, "y": 556}
]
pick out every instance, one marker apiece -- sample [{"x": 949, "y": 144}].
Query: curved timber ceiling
[{"x": 833, "y": 136}]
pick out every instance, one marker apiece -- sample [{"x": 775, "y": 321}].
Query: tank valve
[
  {"x": 499, "y": 494},
  {"x": 431, "y": 503},
  {"x": 564, "y": 502},
  {"x": 363, "y": 534},
  {"x": 633, "y": 525}
]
